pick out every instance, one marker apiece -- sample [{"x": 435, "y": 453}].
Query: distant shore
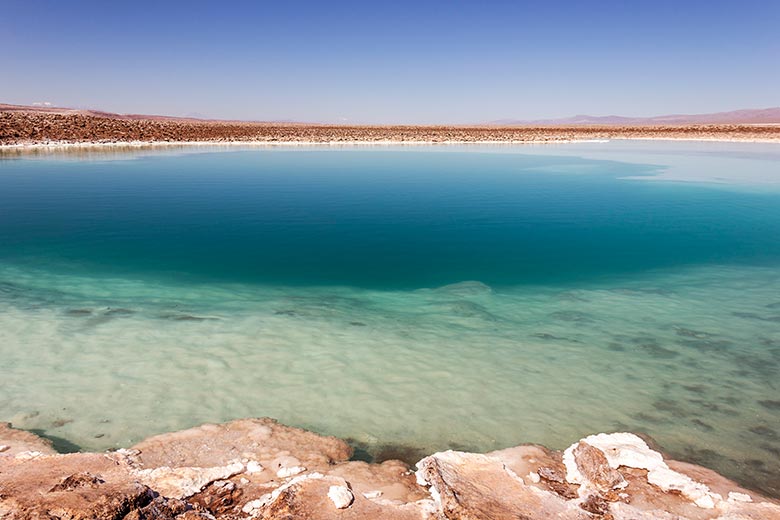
[{"x": 21, "y": 131}]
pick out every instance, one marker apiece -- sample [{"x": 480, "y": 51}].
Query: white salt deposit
[
  {"x": 253, "y": 467},
  {"x": 341, "y": 496},
  {"x": 289, "y": 472},
  {"x": 629, "y": 450},
  {"x": 739, "y": 497}
]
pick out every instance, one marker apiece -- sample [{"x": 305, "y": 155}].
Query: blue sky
[{"x": 392, "y": 62}]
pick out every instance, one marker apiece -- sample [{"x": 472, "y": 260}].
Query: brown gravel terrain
[{"x": 26, "y": 127}]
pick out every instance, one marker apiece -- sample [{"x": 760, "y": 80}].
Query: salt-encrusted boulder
[
  {"x": 615, "y": 476},
  {"x": 481, "y": 487},
  {"x": 651, "y": 487}
]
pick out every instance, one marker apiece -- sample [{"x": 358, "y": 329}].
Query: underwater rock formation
[{"x": 260, "y": 469}]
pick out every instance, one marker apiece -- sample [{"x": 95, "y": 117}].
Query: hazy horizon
[{"x": 348, "y": 62}]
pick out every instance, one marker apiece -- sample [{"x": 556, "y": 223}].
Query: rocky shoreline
[
  {"x": 260, "y": 469},
  {"x": 20, "y": 129}
]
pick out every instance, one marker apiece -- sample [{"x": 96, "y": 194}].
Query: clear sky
[{"x": 392, "y": 62}]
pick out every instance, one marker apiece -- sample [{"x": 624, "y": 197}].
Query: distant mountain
[
  {"x": 50, "y": 109},
  {"x": 758, "y": 116},
  {"x": 746, "y": 116}
]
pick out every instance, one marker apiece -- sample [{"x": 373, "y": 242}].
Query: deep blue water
[{"x": 373, "y": 218}]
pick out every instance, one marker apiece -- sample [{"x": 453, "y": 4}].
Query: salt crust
[
  {"x": 629, "y": 450},
  {"x": 252, "y": 507},
  {"x": 285, "y": 472},
  {"x": 341, "y": 496}
]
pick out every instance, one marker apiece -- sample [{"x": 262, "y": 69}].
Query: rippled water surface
[{"x": 410, "y": 299}]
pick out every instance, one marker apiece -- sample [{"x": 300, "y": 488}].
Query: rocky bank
[
  {"x": 260, "y": 469},
  {"x": 20, "y": 128}
]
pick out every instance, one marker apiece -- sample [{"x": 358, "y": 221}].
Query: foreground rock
[{"x": 257, "y": 468}]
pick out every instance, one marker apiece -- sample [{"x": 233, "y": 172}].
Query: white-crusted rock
[
  {"x": 629, "y": 450},
  {"x": 285, "y": 472},
  {"x": 254, "y": 467},
  {"x": 341, "y": 496},
  {"x": 184, "y": 482}
]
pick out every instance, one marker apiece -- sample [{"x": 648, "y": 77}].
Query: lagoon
[{"x": 411, "y": 299}]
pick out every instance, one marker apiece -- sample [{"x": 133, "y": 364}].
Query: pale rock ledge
[{"x": 260, "y": 469}]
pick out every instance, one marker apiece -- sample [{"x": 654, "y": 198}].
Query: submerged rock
[{"x": 260, "y": 469}]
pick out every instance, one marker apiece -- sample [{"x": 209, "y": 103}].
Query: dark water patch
[
  {"x": 655, "y": 350},
  {"x": 769, "y": 342},
  {"x": 403, "y": 452},
  {"x": 619, "y": 426},
  {"x": 643, "y": 292},
  {"x": 616, "y": 347},
  {"x": 60, "y": 444},
  {"x": 468, "y": 288},
  {"x": 754, "y": 463},
  {"x": 696, "y": 389},
  {"x": 704, "y": 456},
  {"x": 763, "y": 431},
  {"x": 671, "y": 407},
  {"x": 760, "y": 477},
  {"x": 467, "y": 309},
  {"x": 360, "y": 452},
  {"x": 459, "y": 446},
  {"x": 552, "y": 337},
  {"x": 703, "y": 425},
  {"x": 775, "y": 305},
  {"x": 712, "y": 407},
  {"x": 357, "y": 324},
  {"x": 572, "y": 296},
  {"x": 758, "y": 366},
  {"x": 774, "y": 450},
  {"x": 730, "y": 399},
  {"x": 10, "y": 291},
  {"x": 755, "y": 316},
  {"x": 183, "y": 317},
  {"x": 286, "y": 312},
  {"x": 706, "y": 344},
  {"x": 690, "y": 333},
  {"x": 119, "y": 312},
  {"x": 78, "y": 313},
  {"x": 651, "y": 419},
  {"x": 571, "y": 316},
  {"x": 406, "y": 453},
  {"x": 770, "y": 404}
]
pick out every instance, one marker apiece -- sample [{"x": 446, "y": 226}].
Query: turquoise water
[{"x": 410, "y": 299}]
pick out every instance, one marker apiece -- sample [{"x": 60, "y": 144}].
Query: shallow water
[{"x": 408, "y": 299}]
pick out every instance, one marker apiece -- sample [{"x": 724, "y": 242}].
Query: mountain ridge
[
  {"x": 747, "y": 116},
  {"x": 742, "y": 116}
]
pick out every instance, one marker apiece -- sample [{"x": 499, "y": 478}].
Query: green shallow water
[{"x": 411, "y": 300}]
